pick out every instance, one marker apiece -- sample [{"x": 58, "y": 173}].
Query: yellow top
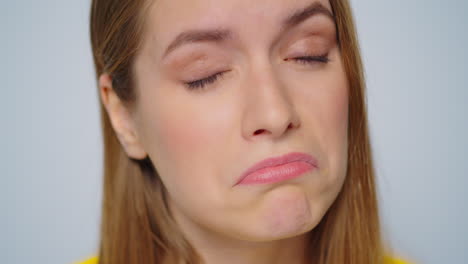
[
  {"x": 93, "y": 260},
  {"x": 388, "y": 260}
]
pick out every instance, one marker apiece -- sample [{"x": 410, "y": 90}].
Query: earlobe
[{"x": 120, "y": 118}]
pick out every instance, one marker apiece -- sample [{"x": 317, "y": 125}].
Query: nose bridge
[{"x": 269, "y": 108}]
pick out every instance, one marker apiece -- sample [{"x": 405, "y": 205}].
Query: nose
[{"x": 269, "y": 110}]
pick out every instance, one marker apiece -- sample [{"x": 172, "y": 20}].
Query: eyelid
[
  {"x": 308, "y": 40},
  {"x": 203, "y": 82},
  {"x": 311, "y": 59}
]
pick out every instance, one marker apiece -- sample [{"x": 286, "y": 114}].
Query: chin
[{"x": 284, "y": 212}]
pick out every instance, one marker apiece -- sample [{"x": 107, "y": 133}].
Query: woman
[{"x": 234, "y": 132}]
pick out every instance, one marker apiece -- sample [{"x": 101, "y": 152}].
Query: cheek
[
  {"x": 324, "y": 103},
  {"x": 182, "y": 133},
  {"x": 177, "y": 139},
  {"x": 185, "y": 138},
  {"x": 333, "y": 135},
  {"x": 332, "y": 126},
  {"x": 334, "y": 116}
]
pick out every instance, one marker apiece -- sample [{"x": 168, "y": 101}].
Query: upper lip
[{"x": 280, "y": 160}]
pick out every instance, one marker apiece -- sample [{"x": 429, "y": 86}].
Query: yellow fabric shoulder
[
  {"x": 93, "y": 260},
  {"x": 388, "y": 260},
  {"x": 393, "y": 260}
]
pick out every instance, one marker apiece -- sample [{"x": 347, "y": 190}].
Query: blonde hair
[{"x": 136, "y": 225}]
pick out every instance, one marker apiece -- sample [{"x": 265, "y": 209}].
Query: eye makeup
[{"x": 203, "y": 83}]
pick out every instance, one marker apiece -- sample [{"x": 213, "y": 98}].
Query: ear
[{"x": 121, "y": 119}]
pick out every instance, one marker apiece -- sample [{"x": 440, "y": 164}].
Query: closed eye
[
  {"x": 202, "y": 83},
  {"x": 311, "y": 59}
]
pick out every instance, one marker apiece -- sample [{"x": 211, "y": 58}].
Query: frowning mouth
[{"x": 277, "y": 169}]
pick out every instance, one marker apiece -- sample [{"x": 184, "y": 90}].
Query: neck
[
  {"x": 289, "y": 250},
  {"x": 215, "y": 248}
]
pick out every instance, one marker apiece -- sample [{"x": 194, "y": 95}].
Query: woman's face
[{"x": 264, "y": 92}]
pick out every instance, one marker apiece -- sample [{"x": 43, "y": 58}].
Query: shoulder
[
  {"x": 93, "y": 260},
  {"x": 395, "y": 260}
]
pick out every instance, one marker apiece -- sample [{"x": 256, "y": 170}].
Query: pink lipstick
[{"x": 278, "y": 169}]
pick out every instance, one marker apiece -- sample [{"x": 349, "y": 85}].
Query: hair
[{"x": 136, "y": 225}]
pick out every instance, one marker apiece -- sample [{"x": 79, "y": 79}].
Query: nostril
[{"x": 259, "y": 131}]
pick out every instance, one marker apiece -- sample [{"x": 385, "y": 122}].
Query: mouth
[{"x": 276, "y": 169}]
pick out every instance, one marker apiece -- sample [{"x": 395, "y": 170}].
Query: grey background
[{"x": 50, "y": 166}]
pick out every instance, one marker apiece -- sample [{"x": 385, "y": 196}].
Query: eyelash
[
  {"x": 312, "y": 59},
  {"x": 202, "y": 83}
]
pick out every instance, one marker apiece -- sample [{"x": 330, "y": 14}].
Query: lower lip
[{"x": 278, "y": 173}]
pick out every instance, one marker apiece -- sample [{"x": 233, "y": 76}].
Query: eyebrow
[{"x": 219, "y": 35}]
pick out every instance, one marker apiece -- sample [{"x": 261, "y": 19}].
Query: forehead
[{"x": 167, "y": 18}]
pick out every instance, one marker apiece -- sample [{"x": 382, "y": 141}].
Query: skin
[{"x": 266, "y": 104}]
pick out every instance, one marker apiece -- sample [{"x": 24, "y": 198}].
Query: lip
[{"x": 279, "y": 168}]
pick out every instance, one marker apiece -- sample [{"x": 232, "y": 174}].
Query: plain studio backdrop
[{"x": 416, "y": 67}]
